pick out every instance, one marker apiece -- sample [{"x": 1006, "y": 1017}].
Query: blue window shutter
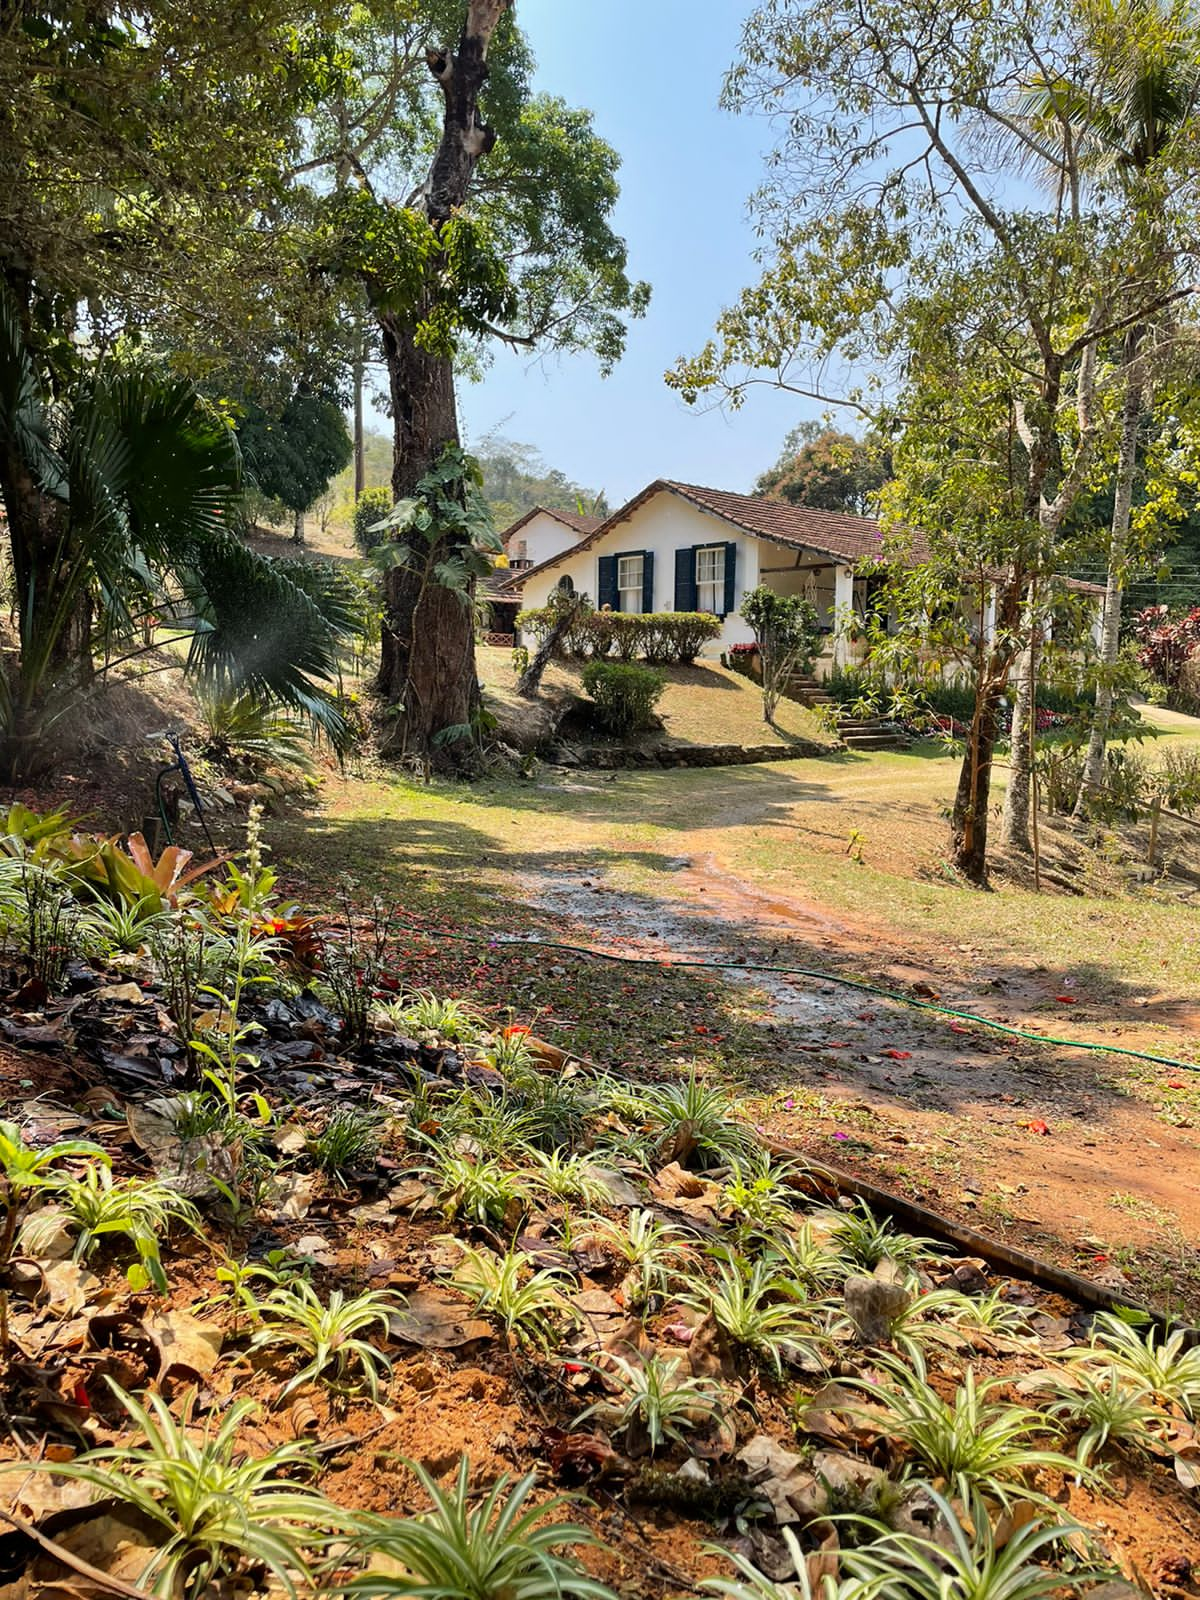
[
  {"x": 730, "y": 578},
  {"x": 647, "y": 580},
  {"x": 685, "y": 578},
  {"x": 606, "y": 584}
]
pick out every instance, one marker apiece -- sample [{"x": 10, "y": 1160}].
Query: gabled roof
[
  {"x": 836, "y": 534},
  {"x": 575, "y": 520}
]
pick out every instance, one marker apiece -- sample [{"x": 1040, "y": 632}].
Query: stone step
[{"x": 875, "y": 740}]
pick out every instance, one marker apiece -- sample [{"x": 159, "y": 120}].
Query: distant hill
[{"x": 515, "y": 478}]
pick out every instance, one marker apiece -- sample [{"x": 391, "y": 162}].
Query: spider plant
[
  {"x": 26, "y": 1169},
  {"x": 653, "y": 1394},
  {"x": 755, "y": 1585},
  {"x": 426, "y": 1013},
  {"x": 989, "y": 1313},
  {"x": 504, "y": 1549},
  {"x": 1155, "y": 1361},
  {"x": 525, "y": 1303},
  {"x": 479, "y": 1189},
  {"x": 866, "y": 1239},
  {"x": 756, "y": 1310},
  {"x": 328, "y": 1332},
  {"x": 973, "y": 1565},
  {"x": 100, "y": 1207},
  {"x": 922, "y": 1321},
  {"x": 802, "y": 1255},
  {"x": 555, "y": 1108},
  {"x": 1106, "y": 1409},
  {"x": 124, "y": 926},
  {"x": 972, "y": 1443},
  {"x": 348, "y": 1140},
  {"x": 221, "y": 1511},
  {"x": 651, "y": 1249},
  {"x": 565, "y": 1177},
  {"x": 694, "y": 1118},
  {"x": 757, "y": 1193}
]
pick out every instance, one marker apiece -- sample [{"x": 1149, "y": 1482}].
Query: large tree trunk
[
  {"x": 969, "y": 818},
  {"x": 55, "y": 630},
  {"x": 427, "y": 665},
  {"x": 1014, "y": 818},
  {"x": 1110, "y": 639},
  {"x": 427, "y": 668},
  {"x": 297, "y": 527}
]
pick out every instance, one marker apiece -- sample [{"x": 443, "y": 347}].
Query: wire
[{"x": 826, "y": 977}]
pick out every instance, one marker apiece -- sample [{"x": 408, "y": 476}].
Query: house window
[
  {"x": 566, "y": 584},
  {"x": 629, "y": 583},
  {"x": 710, "y": 579}
]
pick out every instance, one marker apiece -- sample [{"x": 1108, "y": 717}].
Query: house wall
[
  {"x": 662, "y": 525},
  {"x": 544, "y": 537}
]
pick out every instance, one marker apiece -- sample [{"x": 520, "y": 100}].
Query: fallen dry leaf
[
  {"x": 435, "y": 1320},
  {"x": 183, "y": 1343}
]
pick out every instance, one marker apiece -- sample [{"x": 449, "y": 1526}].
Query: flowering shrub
[
  {"x": 743, "y": 650},
  {"x": 1165, "y": 643}
]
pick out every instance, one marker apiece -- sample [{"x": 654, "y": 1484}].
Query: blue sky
[{"x": 651, "y": 71}]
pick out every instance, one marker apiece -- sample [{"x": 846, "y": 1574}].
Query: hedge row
[{"x": 664, "y": 637}]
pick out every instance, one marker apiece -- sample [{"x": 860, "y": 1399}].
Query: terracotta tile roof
[
  {"x": 570, "y": 519},
  {"x": 831, "y": 533},
  {"x": 838, "y": 535}
]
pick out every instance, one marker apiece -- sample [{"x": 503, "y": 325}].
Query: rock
[
  {"x": 968, "y": 1279},
  {"x": 873, "y": 1304},
  {"x": 783, "y": 1480}
]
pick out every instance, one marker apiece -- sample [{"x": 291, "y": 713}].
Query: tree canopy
[{"x": 828, "y": 469}]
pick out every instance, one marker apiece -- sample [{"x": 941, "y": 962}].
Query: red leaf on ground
[
  {"x": 1037, "y": 1126},
  {"x": 897, "y": 1055},
  {"x": 1065, "y": 999}
]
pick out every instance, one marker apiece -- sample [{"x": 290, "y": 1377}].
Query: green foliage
[
  {"x": 866, "y": 1240},
  {"x": 756, "y": 1310},
  {"x": 663, "y": 638},
  {"x": 653, "y": 1251},
  {"x": 1159, "y": 1362},
  {"x": 655, "y": 1395},
  {"x": 481, "y": 1190},
  {"x": 565, "y": 1177},
  {"x": 786, "y": 632},
  {"x": 529, "y": 1305},
  {"x": 328, "y": 1333},
  {"x": 219, "y": 1510},
  {"x": 696, "y": 1120},
  {"x": 1106, "y": 1409},
  {"x": 371, "y": 509},
  {"x": 443, "y": 534},
  {"x": 976, "y": 1445},
  {"x": 501, "y": 1549},
  {"x": 829, "y": 470},
  {"x": 448, "y": 1018},
  {"x": 349, "y": 1139},
  {"x": 975, "y": 1563},
  {"x": 26, "y": 1170},
  {"x": 98, "y": 1207},
  {"x": 241, "y": 730},
  {"x": 290, "y": 454},
  {"x": 624, "y": 695}
]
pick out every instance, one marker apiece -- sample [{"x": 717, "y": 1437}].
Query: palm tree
[
  {"x": 121, "y": 494},
  {"x": 1120, "y": 124}
]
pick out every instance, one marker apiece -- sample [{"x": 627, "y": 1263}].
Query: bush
[
  {"x": 373, "y": 505},
  {"x": 625, "y": 695},
  {"x": 663, "y": 637}
]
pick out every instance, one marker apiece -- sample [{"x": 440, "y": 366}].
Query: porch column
[{"x": 843, "y": 603}]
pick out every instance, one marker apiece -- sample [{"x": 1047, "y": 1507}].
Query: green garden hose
[{"x": 829, "y": 977}]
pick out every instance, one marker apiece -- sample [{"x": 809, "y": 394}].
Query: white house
[
  {"x": 682, "y": 547},
  {"x": 542, "y": 534}
]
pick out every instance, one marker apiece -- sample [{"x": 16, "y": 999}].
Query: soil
[{"x": 958, "y": 1115}]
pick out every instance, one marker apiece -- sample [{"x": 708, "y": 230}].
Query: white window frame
[
  {"x": 626, "y": 565},
  {"x": 712, "y": 586}
]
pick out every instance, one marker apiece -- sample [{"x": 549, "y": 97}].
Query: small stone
[{"x": 873, "y": 1304}]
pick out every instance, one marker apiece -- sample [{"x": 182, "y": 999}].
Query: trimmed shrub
[
  {"x": 667, "y": 638},
  {"x": 372, "y": 506},
  {"x": 625, "y": 695}
]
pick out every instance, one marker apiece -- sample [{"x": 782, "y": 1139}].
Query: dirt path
[{"x": 956, "y": 1116}]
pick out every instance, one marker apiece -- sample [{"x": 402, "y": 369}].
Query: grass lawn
[{"x": 701, "y": 704}]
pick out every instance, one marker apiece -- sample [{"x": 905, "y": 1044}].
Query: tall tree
[
  {"x": 292, "y": 453},
  {"x": 964, "y": 328},
  {"x": 143, "y": 204},
  {"x": 464, "y": 225},
  {"x": 828, "y": 469},
  {"x": 1133, "y": 133}
]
